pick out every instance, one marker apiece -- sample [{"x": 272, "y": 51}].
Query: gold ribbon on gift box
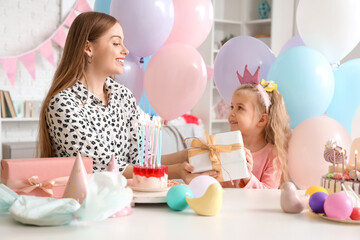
[{"x": 214, "y": 152}]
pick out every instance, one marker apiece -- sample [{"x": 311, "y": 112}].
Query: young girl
[
  {"x": 258, "y": 111},
  {"x": 86, "y": 111}
]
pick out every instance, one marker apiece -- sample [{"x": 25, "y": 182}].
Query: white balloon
[
  {"x": 329, "y": 26},
  {"x": 355, "y": 126}
]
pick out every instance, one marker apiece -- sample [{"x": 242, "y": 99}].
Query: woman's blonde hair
[
  {"x": 277, "y": 130},
  {"x": 88, "y": 26}
]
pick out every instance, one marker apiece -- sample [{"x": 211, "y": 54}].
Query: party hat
[
  {"x": 113, "y": 165},
  {"x": 248, "y": 77},
  {"x": 76, "y": 186}
]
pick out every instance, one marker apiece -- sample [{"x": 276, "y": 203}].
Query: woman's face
[{"x": 109, "y": 52}]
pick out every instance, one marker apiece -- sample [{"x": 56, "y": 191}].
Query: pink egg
[{"x": 338, "y": 205}]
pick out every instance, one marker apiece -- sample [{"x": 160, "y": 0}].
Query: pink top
[{"x": 262, "y": 176}]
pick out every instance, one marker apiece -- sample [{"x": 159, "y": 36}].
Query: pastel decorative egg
[
  {"x": 200, "y": 184},
  {"x": 176, "y": 197},
  {"x": 317, "y": 200},
  {"x": 311, "y": 190},
  {"x": 355, "y": 215},
  {"x": 338, "y": 205}
]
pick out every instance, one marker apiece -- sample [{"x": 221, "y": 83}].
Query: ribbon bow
[
  {"x": 34, "y": 183},
  {"x": 214, "y": 152},
  {"x": 269, "y": 86}
]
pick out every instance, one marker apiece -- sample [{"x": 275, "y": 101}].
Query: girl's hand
[
  {"x": 186, "y": 168},
  {"x": 249, "y": 164}
]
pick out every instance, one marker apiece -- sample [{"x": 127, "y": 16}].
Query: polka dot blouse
[{"x": 96, "y": 130}]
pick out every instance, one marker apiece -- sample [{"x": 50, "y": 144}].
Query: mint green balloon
[{"x": 176, "y": 197}]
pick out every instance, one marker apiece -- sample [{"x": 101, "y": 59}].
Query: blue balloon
[
  {"x": 346, "y": 98},
  {"x": 176, "y": 197},
  {"x": 305, "y": 80},
  {"x": 102, "y": 6}
]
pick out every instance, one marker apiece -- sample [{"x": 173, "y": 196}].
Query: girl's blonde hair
[
  {"x": 88, "y": 26},
  {"x": 277, "y": 130}
]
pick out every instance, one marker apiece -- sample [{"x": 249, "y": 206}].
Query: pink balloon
[
  {"x": 338, "y": 205},
  {"x": 193, "y": 20},
  {"x": 306, "y": 148},
  {"x": 175, "y": 80},
  {"x": 132, "y": 77}
]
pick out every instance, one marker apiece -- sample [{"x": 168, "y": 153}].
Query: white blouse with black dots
[{"x": 96, "y": 130}]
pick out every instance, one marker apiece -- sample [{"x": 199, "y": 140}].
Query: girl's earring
[{"x": 90, "y": 59}]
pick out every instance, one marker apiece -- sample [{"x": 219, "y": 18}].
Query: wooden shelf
[
  {"x": 227, "y": 21},
  {"x": 19, "y": 119},
  {"x": 259, "y": 21}
]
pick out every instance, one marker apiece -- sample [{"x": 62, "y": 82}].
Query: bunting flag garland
[{"x": 28, "y": 58}]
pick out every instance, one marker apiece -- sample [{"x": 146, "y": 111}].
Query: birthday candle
[
  {"x": 137, "y": 141},
  {"x": 334, "y": 146},
  {"x": 356, "y": 153},
  {"x": 343, "y": 164},
  {"x": 157, "y": 140},
  {"x": 152, "y": 142},
  {"x": 160, "y": 144},
  {"x": 142, "y": 144}
]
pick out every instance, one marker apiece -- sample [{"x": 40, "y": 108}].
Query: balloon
[
  {"x": 316, "y": 202},
  {"x": 146, "y": 24},
  {"x": 102, "y": 6},
  {"x": 200, "y": 184},
  {"x": 338, "y": 205},
  {"x": 193, "y": 20},
  {"x": 176, "y": 197},
  {"x": 355, "y": 127},
  {"x": 305, "y": 80},
  {"x": 328, "y": 26},
  {"x": 346, "y": 98},
  {"x": 175, "y": 80},
  {"x": 295, "y": 41},
  {"x": 313, "y": 189},
  {"x": 132, "y": 77},
  {"x": 306, "y": 147},
  {"x": 233, "y": 56}
]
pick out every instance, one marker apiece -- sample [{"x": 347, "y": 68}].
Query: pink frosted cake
[
  {"x": 150, "y": 179},
  {"x": 339, "y": 172}
]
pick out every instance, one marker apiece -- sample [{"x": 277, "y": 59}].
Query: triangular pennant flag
[
  {"x": 210, "y": 72},
  {"x": 9, "y": 65},
  {"x": 83, "y": 6},
  {"x": 113, "y": 165},
  {"x": 29, "y": 62},
  {"x": 70, "y": 18},
  {"x": 76, "y": 186},
  {"x": 47, "y": 51},
  {"x": 60, "y": 37}
]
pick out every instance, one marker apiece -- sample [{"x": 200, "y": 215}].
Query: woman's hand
[{"x": 185, "y": 174}]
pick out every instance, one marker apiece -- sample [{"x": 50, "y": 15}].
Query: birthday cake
[
  {"x": 340, "y": 172},
  {"x": 150, "y": 179}
]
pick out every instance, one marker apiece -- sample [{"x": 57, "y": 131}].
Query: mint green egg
[{"x": 176, "y": 197}]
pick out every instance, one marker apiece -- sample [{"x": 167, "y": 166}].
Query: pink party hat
[
  {"x": 76, "y": 186},
  {"x": 248, "y": 77},
  {"x": 113, "y": 165}
]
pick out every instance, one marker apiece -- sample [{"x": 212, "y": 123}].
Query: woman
[{"x": 86, "y": 111}]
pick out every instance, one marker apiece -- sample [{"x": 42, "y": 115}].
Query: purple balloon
[
  {"x": 132, "y": 77},
  {"x": 293, "y": 42},
  {"x": 146, "y": 24},
  {"x": 316, "y": 202},
  {"x": 233, "y": 56}
]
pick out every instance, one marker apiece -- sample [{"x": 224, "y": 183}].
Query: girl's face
[
  {"x": 109, "y": 51},
  {"x": 243, "y": 115}
]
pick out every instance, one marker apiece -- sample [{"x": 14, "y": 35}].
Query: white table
[{"x": 246, "y": 214}]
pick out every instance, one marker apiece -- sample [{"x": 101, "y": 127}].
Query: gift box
[
  {"x": 46, "y": 177},
  {"x": 223, "y": 152}
]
